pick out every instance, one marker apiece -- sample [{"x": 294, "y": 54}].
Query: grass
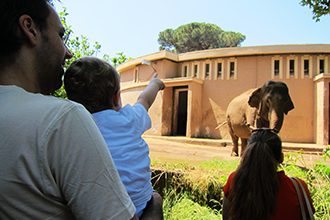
[
  {"x": 180, "y": 206},
  {"x": 195, "y": 192},
  {"x": 317, "y": 179}
]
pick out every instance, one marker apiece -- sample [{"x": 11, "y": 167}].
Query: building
[{"x": 201, "y": 84}]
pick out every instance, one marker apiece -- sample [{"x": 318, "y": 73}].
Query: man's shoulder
[
  {"x": 58, "y": 102},
  {"x": 58, "y": 107},
  {"x": 17, "y": 93},
  {"x": 19, "y": 101},
  {"x": 48, "y": 103}
]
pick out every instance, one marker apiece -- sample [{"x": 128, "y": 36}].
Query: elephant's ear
[{"x": 255, "y": 98}]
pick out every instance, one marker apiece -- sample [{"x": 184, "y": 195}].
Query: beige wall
[
  {"x": 167, "y": 110},
  {"x": 209, "y": 97},
  {"x": 195, "y": 97}
]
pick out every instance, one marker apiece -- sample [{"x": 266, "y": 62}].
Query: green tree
[
  {"x": 81, "y": 47},
  {"x": 231, "y": 39},
  {"x": 197, "y": 36},
  {"x": 115, "y": 61},
  {"x": 319, "y": 7}
]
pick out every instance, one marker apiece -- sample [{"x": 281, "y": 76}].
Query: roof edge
[
  {"x": 227, "y": 52},
  {"x": 164, "y": 54}
]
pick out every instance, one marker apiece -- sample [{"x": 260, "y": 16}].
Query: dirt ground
[{"x": 194, "y": 151}]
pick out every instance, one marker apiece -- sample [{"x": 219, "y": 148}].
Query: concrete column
[{"x": 321, "y": 82}]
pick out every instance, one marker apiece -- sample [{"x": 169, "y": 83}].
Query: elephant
[{"x": 263, "y": 107}]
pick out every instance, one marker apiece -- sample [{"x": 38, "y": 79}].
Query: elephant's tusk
[
  {"x": 220, "y": 125},
  {"x": 251, "y": 127}
]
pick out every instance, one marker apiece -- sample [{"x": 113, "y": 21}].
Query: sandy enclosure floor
[{"x": 184, "y": 150}]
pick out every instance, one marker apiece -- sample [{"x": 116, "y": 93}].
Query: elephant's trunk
[{"x": 276, "y": 119}]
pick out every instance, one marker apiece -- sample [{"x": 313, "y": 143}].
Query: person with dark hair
[
  {"x": 96, "y": 84},
  {"x": 256, "y": 190},
  {"x": 54, "y": 161},
  {"x": 11, "y": 11}
]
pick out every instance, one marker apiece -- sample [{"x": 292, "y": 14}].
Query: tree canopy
[
  {"x": 319, "y": 7},
  {"x": 198, "y": 36},
  {"x": 81, "y": 47},
  {"x": 115, "y": 61}
]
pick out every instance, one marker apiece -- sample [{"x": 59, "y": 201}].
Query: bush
[{"x": 195, "y": 192}]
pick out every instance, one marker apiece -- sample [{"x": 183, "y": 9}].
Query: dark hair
[
  {"x": 255, "y": 185},
  {"x": 92, "y": 82},
  {"x": 10, "y": 12}
]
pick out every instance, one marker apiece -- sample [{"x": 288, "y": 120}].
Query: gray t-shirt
[{"x": 54, "y": 162}]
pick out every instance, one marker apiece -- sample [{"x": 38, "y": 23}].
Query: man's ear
[{"x": 28, "y": 28}]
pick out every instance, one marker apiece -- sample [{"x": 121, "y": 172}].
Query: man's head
[
  {"x": 31, "y": 46},
  {"x": 10, "y": 11},
  {"x": 93, "y": 83}
]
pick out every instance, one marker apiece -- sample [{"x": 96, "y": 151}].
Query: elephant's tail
[{"x": 221, "y": 125}]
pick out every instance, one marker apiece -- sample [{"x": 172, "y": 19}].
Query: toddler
[{"x": 96, "y": 84}]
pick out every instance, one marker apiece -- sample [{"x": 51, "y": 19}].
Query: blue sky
[{"x": 132, "y": 26}]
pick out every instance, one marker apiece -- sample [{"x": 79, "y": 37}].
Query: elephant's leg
[
  {"x": 234, "y": 139},
  {"x": 234, "y": 152},
  {"x": 243, "y": 146}
]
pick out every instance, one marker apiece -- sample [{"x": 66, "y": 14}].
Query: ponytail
[{"x": 255, "y": 185}]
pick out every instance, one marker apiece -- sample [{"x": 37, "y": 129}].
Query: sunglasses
[{"x": 274, "y": 130}]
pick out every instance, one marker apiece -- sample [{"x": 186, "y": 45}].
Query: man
[{"x": 54, "y": 161}]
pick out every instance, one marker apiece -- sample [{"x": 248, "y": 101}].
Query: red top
[{"x": 287, "y": 204}]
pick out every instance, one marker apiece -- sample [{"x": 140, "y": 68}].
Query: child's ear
[{"x": 116, "y": 100}]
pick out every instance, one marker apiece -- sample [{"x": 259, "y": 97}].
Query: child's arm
[{"x": 147, "y": 97}]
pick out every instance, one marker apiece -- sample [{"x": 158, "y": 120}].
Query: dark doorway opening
[{"x": 180, "y": 110}]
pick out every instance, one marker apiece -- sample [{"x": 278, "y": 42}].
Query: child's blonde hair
[{"x": 92, "y": 82}]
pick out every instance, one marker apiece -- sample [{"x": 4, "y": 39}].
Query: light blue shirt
[{"x": 122, "y": 132}]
